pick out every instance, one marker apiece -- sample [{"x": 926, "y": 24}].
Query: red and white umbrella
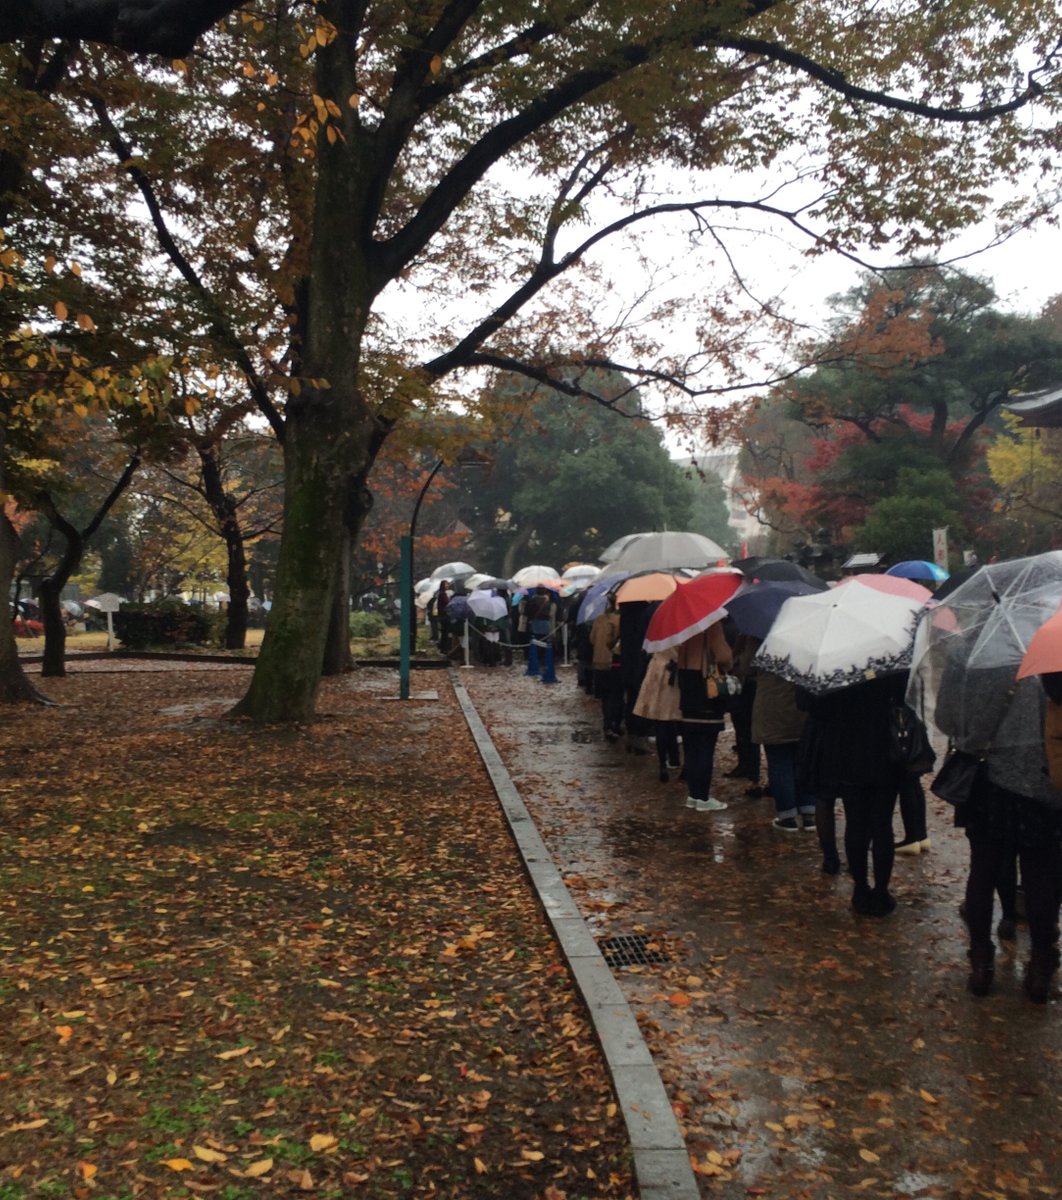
[{"x": 691, "y": 608}]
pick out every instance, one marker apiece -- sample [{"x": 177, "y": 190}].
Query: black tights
[
  {"x": 868, "y": 830},
  {"x": 990, "y": 863}
]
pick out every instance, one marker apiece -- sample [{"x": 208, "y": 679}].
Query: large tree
[{"x": 460, "y": 148}]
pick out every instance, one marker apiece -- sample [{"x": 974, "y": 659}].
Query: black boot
[
  {"x": 1039, "y": 972},
  {"x": 862, "y": 899},
  {"x": 882, "y": 902},
  {"x": 982, "y": 968}
]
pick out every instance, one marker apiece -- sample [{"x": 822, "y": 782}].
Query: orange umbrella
[
  {"x": 657, "y": 585},
  {"x": 1044, "y": 653}
]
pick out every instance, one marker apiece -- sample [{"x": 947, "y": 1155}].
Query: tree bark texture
[
  {"x": 15, "y": 687},
  {"x": 223, "y": 506}
]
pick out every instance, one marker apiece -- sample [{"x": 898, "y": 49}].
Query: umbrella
[
  {"x": 918, "y": 568},
  {"x": 754, "y": 611},
  {"x": 479, "y": 580},
  {"x": 969, "y": 650},
  {"x": 833, "y": 639},
  {"x": 656, "y": 585},
  {"x": 667, "y": 551},
  {"x": 954, "y": 580},
  {"x": 777, "y": 569},
  {"x": 427, "y": 587},
  {"x": 453, "y": 570},
  {"x": 485, "y": 604},
  {"x": 690, "y": 609},
  {"x": 614, "y": 549},
  {"x": 893, "y": 585},
  {"x": 534, "y": 575},
  {"x": 581, "y": 571},
  {"x": 595, "y": 600},
  {"x": 458, "y": 609}
]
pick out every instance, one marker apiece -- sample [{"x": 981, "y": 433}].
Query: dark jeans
[
  {"x": 868, "y": 831},
  {"x": 608, "y": 687},
  {"x": 698, "y": 743},
  {"x": 789, "y": 797}
]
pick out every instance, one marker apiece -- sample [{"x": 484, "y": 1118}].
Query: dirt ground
[{"x": 810, "y": 1053}]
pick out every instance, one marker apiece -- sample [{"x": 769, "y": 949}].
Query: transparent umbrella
[
  {"x": 668, "y": 551},
  {"x": 968, "y": 651}
]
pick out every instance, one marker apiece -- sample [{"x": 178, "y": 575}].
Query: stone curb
[{"x": 661, "y": 1159}]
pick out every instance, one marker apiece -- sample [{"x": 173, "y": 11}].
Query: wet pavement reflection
[{"x": 809, "y": 1052}]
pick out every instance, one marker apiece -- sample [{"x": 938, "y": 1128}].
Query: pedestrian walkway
[{"x": 807, "y": 1052}]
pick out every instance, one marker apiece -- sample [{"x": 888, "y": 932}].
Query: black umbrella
[
  {"x": 776, "y": 569},
  {"x": 953, "y": 581}
]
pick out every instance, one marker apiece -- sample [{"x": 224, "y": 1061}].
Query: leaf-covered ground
[{"x": 242, "y": 964}]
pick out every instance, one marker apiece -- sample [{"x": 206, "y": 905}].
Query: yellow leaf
[
  {"x": 235, "y": 1053},
  {"x": 49, "y": 263},
  {"x": 85, "y": 322},
  {"x": 329, "y": 983},
  {"x": 423, "y": 1079},
  {"x": 678, "y": 999},
  {"x": 532, "y": 1155},
  {"x": 180, "y": 66},
  {"x": 869, "y": 1156},
  {"x": 74, "y": 1013},
  {"x": 64, "y": 1031},
  {"x": 75, "y": 269},
  {"x": 322, "y": 1141},
  {"x": 61, "y": 310},
  {"x": 480, "y": 1165},
  {"x": 112, "y": 1076},
  {"x": 928, "y": 1097},
  {"x": 207, "y": 1155},
  {"x": 87, "y": 1170},
  {"x": 178, "y": 1164},
  {"x": 27, "y": 1125},
  {"x": 354, "y": 99},
  {"x": 262, "y": 1167}
]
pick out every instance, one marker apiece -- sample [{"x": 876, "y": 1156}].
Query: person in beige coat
[
  {"x": 658, "y": 701},
  {"x": 702, "y": 718}
]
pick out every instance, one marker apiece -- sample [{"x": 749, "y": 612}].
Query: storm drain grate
[{"x": 631, "y": 950}]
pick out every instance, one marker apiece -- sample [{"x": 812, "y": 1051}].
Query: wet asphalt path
[{"x": 809, "y": 1053}]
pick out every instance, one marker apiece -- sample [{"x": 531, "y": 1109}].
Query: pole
[
  {"x": 407, "y": 588},
  {"x": 468, "y": 644},
  {"x": 408, "y": 613}
]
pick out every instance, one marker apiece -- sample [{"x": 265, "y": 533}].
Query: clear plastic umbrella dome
[
  {"x": 453, "y": 570},
  {"x": 535, "y": 574},
  {"x": 969, "y": 647}
]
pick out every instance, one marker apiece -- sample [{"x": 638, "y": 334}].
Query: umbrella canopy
[
  {"x": 478, "y": 580},
  {"x": 458, "y": 608},
  {"x": 453, "y": 570},
  {"x": 656, "y": 585},
  {"x": 616, "y": 548},
  {"x": 595, "y": 599},
  {"x": 893, "y": 585},
  {"x": 1044, "y": 654},
  {"x": 969, "y": 650},
  {"x": 669, "y": 551},
  {"x": 580, "y": 571},
  {"x": 918, "y": 568},
  {"x": 954, "y": 580},
  {"x": 427, "y": 587},
  {"x": 487, "y": 605},
  {"x": 777, "y": 569},
  {"x": 691, "y": 608},
  {"x": 534, "y": 575},
  {"x": 755, "y": 610},
  {"x": 833, "y": 639}
]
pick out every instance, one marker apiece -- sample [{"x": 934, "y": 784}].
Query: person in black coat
[{"x": 845, "y": 752}]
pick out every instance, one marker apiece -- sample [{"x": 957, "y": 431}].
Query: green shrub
[
  {"x": 367, "y": 624},
  {"x": 162, "y": 624}
]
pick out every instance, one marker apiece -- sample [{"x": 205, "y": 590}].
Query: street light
[{"x": 467, "y": 459}]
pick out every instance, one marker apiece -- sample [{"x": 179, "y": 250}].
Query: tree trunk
[
  {"x": 337, "y": 657},
  {"x": 15, "y": 688},
  {"x": 331, "y": 435},
  {"x": 223, "y": 507},
  {"x": 53, "y": 664}
]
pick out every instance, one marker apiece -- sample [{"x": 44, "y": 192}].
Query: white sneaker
[
  {"x": 690, "y": 802},
  {"x": 711, "y": 805}
]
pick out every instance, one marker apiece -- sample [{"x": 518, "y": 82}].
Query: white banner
[{"x": 940, "y": 547}]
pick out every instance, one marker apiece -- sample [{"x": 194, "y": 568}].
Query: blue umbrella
[
  {"x": 458, "y": 609},
  {"x": 754, "y": 610},
  {"x": 595, "y": 601},
  {"x": 918, "y": 568}
]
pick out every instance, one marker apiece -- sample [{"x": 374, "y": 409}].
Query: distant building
[{"x": 722, "y": 461}]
